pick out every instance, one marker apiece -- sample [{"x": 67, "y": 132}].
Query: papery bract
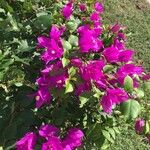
[
  {"x": 113, "y": 97},
  {"x": 82, "y": 7},
  {"x": 111, "y": 54},
  {"x": 115, "y": 28},
  {"x": 54, "y": 143},
  {"x": 128, "y": 69},
  {"x": 88, "y": 40},
  {"x": 125, "y": 56},
  {"x": 95, "y": 17},
  {"x": 99, "y": 7},
  {"x": 27, "y": 142},
  {"x": 43, "y": 96},
  {"x": 83, "y": 87},
  {"x": 92, "y": 70},
  {"x": 67, "y": 10},
  {"x": 53, "y": 52},
  {"x": 43, "y": 42},
  {"x": 146, "y": 77},
  {"x": 55, "y": 33},
  {"x": 139, "y": 126},
  {"x": 76, "y": 62},
  {"x": 48, "y": 131},
  {"x": 73, "y": 139}
]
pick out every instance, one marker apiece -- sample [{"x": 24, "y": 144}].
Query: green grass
[{"x": 135, "y": 15}]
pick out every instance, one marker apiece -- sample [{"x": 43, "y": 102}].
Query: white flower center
[
  {"x": 37, "y": 98},
  {"x": 53, "y": 52},
  {"x": 59, "y": 81}
]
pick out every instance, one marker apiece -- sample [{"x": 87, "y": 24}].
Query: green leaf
[
  {"x": 85, "y": 97},
  {"x": 73, "y": 40},
  {"x": 71, "y": 71},
  {"x": 43, "y": 21},
  {"x": 24, "y": 61},
  {"x": 18, "y": 84},
  {"x": 2, "y": 10},
  {"x": 13, "y": 22},
  {"x": 83, "y": 101},
  {"x": 69, "y": 87},
  {"x": 139, "y": 93},
  {"x": 108, "y": 68},
  {"x": 128, "y": 84},
  {"x": 116, "y": 129},
  {"x": 147, "y": 86},
  {"x": 146, "y": 127},
  {"x": 66, "y": 45},
  {"x": 130, "y": 109},
  {"x": 72, "y": 26},
  {"x": 1, "y": 148},
  {"x": 65, "y": 61},
  {"x": 42, "y": 13},
  {"x": 112, "y": 133},
  {"x": 107, "y": 136}
]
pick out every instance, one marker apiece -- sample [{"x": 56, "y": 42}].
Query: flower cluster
[
  {"x": 90, "y": 57},
  {"x": 52, "y": 141}
]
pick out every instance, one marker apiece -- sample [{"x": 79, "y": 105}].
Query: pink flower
[
  {"x": 48, "y": 131},
  {"x": 92, "y": 70},
  {"x": 101, "y": 84},
  {"x": 53, "y": 76},
  {"x": 128, "y": 69},
  {"x": 53, "y": 143},
  {"x": 88, "y": 40},
  {"x": 139, "y": 125},
  {"x": 95, "y": 17},
  {"x": 99, "y": 7},
  {"x": 67, "y": 10},
  {"x": 43, "y": 42},
  {"x": 111, "y": 54},
  {"x": 146, "y": 77},
  {"x": 113, "y": 97},
  {"x": 53, "y": 52},
  {"x": 27, "y": 142},
  {"x": 58, "y": 81},
  {"x": 83, "y": 87},
  {"x": 125, "y": 56},
  {"x": 73, "y": 139},
  {"x": 43, "y": 96},
  {"x": 62, "y": 29},
  {"x": 76, "y": 62},
  {"x": 53, "y": 46},
  {"x": 82, "y": 7},
  {"x": 115, "y": 28},
  {"x": 98, "y": 29},
  {"x": 119, "y": 44},
  {"x": 121, "y": 36},
  {"x": 55, "y": 32}
]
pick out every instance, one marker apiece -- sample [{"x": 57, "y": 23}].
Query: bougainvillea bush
[{"x": 88, "y": 81}]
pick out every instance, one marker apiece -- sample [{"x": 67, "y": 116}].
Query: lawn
[{"x": 135, "y": 14}]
